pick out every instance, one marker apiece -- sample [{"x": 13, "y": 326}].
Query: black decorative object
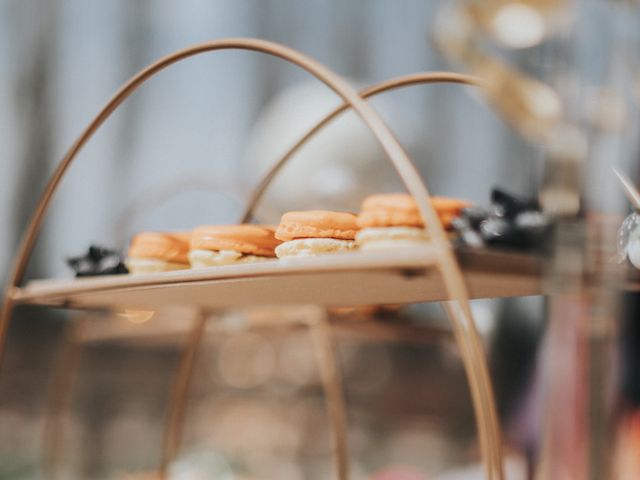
[
  {"x": 98, "y": 261},
  {"x": 511, "y": 222}
]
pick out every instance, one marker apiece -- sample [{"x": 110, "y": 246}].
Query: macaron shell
[
  {"x": 248, "y": 239},
  {"x": 389, "y": 218},
  {"x": 317, "y": 224},
  {"x": 449, "y": 205},
  {"x": 172, "y": 247},
  {"x": 401, "y": 209},
  {"x": 395, "y": 201},
  {"x": 406, "y": 202}
]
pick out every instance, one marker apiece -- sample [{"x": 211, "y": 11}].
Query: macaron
[
  {"x": 315, "y": 232},
  {"x": 393, "y": 220},
  {"x": 152, "y": 252},
  {"x": 401, "y": 210},
  {"x": 214, "y": 245}
]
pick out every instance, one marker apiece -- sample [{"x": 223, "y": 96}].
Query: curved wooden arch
[
  {"x": 64, "y": 375},
  {"x": 396, "y": 83},
  {"x": 467, "y": 337},
  {"x": 176, "y": 411},
  {"x": 453, "y": 279}
]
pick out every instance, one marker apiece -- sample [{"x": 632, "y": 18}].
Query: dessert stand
[{"x": 431, "y": 273}]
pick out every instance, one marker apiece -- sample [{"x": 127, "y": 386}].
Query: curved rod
[
  {"x": 326, "y": 357},
  {"x": 65, "y": 373},
  {"x": 179, "y": 393},
  {"x": 474, "y": 360},
  {"x": 410, "y": 80},
  {"x": 464, "y": 329}
]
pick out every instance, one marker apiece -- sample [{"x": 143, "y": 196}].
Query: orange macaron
[
  {"x": 317, "y": 224},
  {"x": 158, "y": 251},
  {"x": 394, "y": 220},
  {"x": 314, "y": 232},
  {"x": 213, "y": 245},
  {"x": 401, "y": 210}
]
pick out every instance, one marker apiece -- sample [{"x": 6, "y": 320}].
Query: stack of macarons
[
  {"x": 394, "y": 220},
  {"x": 205, "y": 246},
  {"x": 385, "y": 221},
  {"x": 152, "y": 252},
  {"x": 315, "y": 232},
  {"x": 227, "y": 244}
]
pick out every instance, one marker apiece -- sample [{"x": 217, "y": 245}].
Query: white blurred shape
[
  {"x": 543, "y": 101},
  {"x": 333, "y": 169},
  {"x": 633, "y": 251},
  {"x": 518, "y": 25}
]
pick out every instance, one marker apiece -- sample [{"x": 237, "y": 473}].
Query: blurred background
[{"x": 186, "y": 150}]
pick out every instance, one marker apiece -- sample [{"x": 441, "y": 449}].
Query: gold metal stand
[
  {"x": 461, "y": 315},
  {"x": 64, "y": 377},
  {"x": 466, "y": 335},
  {"x": 179, "y": 395},
  {"x": 326, "y": 356}
]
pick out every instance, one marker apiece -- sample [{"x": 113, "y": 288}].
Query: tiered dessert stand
[{"x": 427, "y": 274}]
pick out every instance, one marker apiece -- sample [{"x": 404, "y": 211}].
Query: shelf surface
[{"x": 350, "y": 279}]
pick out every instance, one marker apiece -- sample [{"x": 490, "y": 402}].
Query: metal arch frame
[
  {"x": 464, "y": 328},
  {"x": 65, "y": 373},
  {"x": 453, "y": 279},
  {"x": 177, "y": 407},
  {"x": 421, "y": 78}
]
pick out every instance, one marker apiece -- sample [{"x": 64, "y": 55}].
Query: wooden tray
[{"x": 353, "y": 279}]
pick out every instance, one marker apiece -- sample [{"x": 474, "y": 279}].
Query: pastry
[
  {"x": 401, "y": 210},
  {"x": 315, "y": 232},
  {"x": 98, "y": 261},
  {"x": 393, "y": 220},
  {"x": 152, "y": 252},
  {"x": 227, "y": 244}
]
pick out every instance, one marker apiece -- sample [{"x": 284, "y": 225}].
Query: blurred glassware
[
  {"x": 629, "y": 240},
  {"x": 521, "y": 23},
  {"x": 533, "y": 108}
]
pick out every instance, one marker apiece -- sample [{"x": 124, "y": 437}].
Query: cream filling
[
  {"x": 152, "y": 265},
  {"x": 304, "y": 247},
  {"x": 379, "y": 238},
  {"x": 214, "y": 258}
]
